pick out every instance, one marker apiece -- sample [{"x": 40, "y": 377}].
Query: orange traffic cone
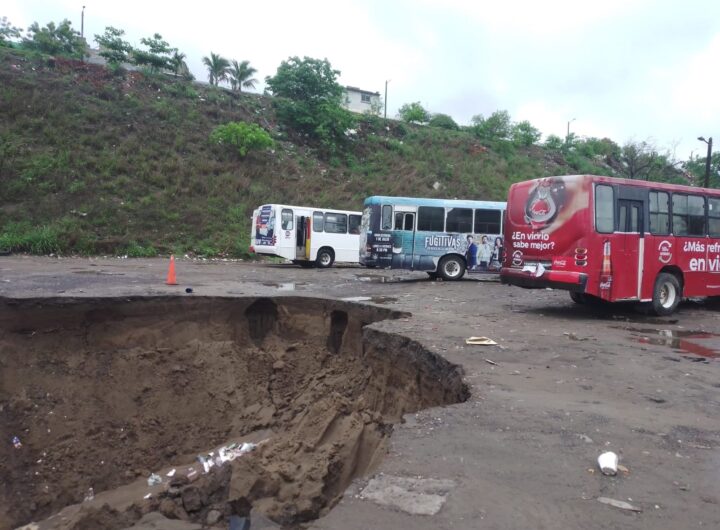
[{"x": 171, "y": 272}]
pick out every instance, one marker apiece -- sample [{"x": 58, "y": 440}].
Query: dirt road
[{"x": 563, "y": 384}]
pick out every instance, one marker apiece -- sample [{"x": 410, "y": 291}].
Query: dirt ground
[{"x": 563, "y": 384}]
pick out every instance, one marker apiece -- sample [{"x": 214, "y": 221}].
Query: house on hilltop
[{"x": 358, "y": 100}]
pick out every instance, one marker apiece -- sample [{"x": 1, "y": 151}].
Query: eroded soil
[{"x": 104, "y": 392}]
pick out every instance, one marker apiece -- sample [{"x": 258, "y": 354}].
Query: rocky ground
[{"x": 563, "y": 384}]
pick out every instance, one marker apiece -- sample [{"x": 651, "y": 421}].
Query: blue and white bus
[{"x": 443, "y": 237}]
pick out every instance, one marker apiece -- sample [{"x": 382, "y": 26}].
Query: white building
[{"x": 363, "y": 101}]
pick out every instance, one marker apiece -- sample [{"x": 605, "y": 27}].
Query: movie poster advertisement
[{"x": 265, "y": 226}]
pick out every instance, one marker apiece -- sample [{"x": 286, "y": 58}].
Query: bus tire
[
  {"x": 325, "y": 258},
  {"x": 451, "y": 268},
  {"x": 666, "y": 294}
]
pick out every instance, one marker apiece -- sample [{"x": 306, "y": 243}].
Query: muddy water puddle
[
  {"x": 286, "y": 286},
  {"x": 702, "y": 344},
  {"x": 371, "y": 299},
  {"x": 103, "y": 392}
]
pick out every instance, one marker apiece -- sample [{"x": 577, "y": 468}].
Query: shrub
[
  {"x": 414, "y": 113},
  {"x": 443, "y": 121},
  {"x": 242, "y": 136}
]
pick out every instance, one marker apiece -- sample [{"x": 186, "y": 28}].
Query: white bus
[{"x": 306, "y": 236}]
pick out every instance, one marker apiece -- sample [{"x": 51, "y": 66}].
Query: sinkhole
[{"x": 101, "y": 393}]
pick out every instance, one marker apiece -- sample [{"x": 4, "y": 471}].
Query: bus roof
[
  {"x": 310, "y": 208},
  {"x": 665, "y": 186},
  {"x": 414, "y": 201}
]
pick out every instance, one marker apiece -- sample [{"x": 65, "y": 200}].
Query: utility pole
[
  {"x": 82, "y": 23},
  {"x": 707, "y": 160},
  {"x": 567, "y": 136},
  {"x": 386, "y": 83}
]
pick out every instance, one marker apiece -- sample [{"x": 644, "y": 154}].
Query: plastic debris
[
  {"x": 608, "y": 463},
  {"x": 147, "y": 496},
  {"x": 154, "y": 479},
  {"x": 16, "y": 442},
  {"x": 619, "y": 504},
  {"x": 90, "y": 495},
  {"x": 480, "y": 341},
  {"x": 171, "y": 473}
]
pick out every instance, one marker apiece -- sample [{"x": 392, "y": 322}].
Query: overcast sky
[{"x": 631, "y": 70}]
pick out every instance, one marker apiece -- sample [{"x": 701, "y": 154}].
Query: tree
[
  {"x": 496, "y": 127},
  {"x": 242, "y": 136},
  {"x": 696, "y": 165},
  {"x": 178, "y": 64},
  {"x": 308, "y": 99},
  {"x": 414, "y": 113},
  {"x": 523, "y": 133},
  {"x": 554, "y": 143},
  {"x": 217, "y": 68},
  {"x": 158, "y": 55},
  {"x": 241, "y": 75},
  {"x": 443, "y": 121},
  {"x": 638, "y": 160},
  {"x": 8, "y": 32},
  {"x": 55, "y": 40},
  {"x": 113, "y": 48}
]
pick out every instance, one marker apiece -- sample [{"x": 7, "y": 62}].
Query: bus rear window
[
  {"x": 604, "y": 209},
  {"x": 336, "y": 223},
  {"x": 487, "y": 221},
  {"x": 459, "y": 220},
  {"x": 431, "y": 219}
]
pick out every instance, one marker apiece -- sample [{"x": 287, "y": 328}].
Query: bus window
[
  {"x": 431, "y": 219},
  {"x": 286, "y": 219},
  {"x": 355, "y": 224},
  {"x": 318, "y": 221},
  {"x": 714, "y": 217},
  {"x": 688, "y": 215},
  {"x": 404, "y": 221},
  {"x": 604, "y": 209},
  {"x": 696, "y": 212},
  {"x": 487, "y": 221},
  {"x": 459, "y": 220},
  {"x": 386, "y": 222},
  {"x": 336, "y": 223},
  {"x": 659, "y": 212}
]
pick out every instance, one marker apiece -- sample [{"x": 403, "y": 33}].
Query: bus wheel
[
  {"x": 451, "y": 268},
  {"x": 325, "y": 258},
  {"x": 666, "y": 294}
]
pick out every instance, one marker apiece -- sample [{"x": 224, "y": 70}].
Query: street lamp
[
  {"x": 567, "y": 137},
  {"x": 707, "y": 160},
  {"x": 386, "y": 82}
]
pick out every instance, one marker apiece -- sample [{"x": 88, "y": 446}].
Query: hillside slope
[{"x": 93, "y": 162}]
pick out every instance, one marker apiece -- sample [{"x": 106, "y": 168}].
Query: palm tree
[
  {"x": 217, "y": 68},
  {"x": 241, "y": 75},
  {"x": 177, "y": 61}
]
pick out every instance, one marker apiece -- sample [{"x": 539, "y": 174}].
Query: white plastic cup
[{"x": 608, "y": 463}]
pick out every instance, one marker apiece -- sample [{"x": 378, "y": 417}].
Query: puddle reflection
[
  {"x": 373, "y": 299},
  {"x": 699, "y": 343},
  {"x": 286, "y": 286}
]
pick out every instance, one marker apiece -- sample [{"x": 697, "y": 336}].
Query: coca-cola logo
[
  {"x": 544, "y": 201},
  {"x": 517, "y": 258},
  {"x": 665, "y": 251}
]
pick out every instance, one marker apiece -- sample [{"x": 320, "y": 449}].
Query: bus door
[
  {"x": 404, "y": 237},
  {"x": 627, "y": 258},
  {"x": 302, "y": 237}
]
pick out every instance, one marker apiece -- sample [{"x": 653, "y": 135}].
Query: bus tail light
[
  {"x": 274, "y": 240},
  {"x": 251, "y": 249},
  {"x": 581, "y": 257}
]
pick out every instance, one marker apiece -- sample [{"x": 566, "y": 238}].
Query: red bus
[{"x": 604, "y": 238}]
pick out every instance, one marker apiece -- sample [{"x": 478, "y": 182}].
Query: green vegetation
[
  {"x": 413, "y": 113},
  {"x": 99, "y": 160},
  {"x": 308, "y": 100},
  {"x": 242, "y": 136}
]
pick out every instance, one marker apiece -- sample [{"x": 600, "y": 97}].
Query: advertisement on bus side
[{"x": 265, "y": 226}]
